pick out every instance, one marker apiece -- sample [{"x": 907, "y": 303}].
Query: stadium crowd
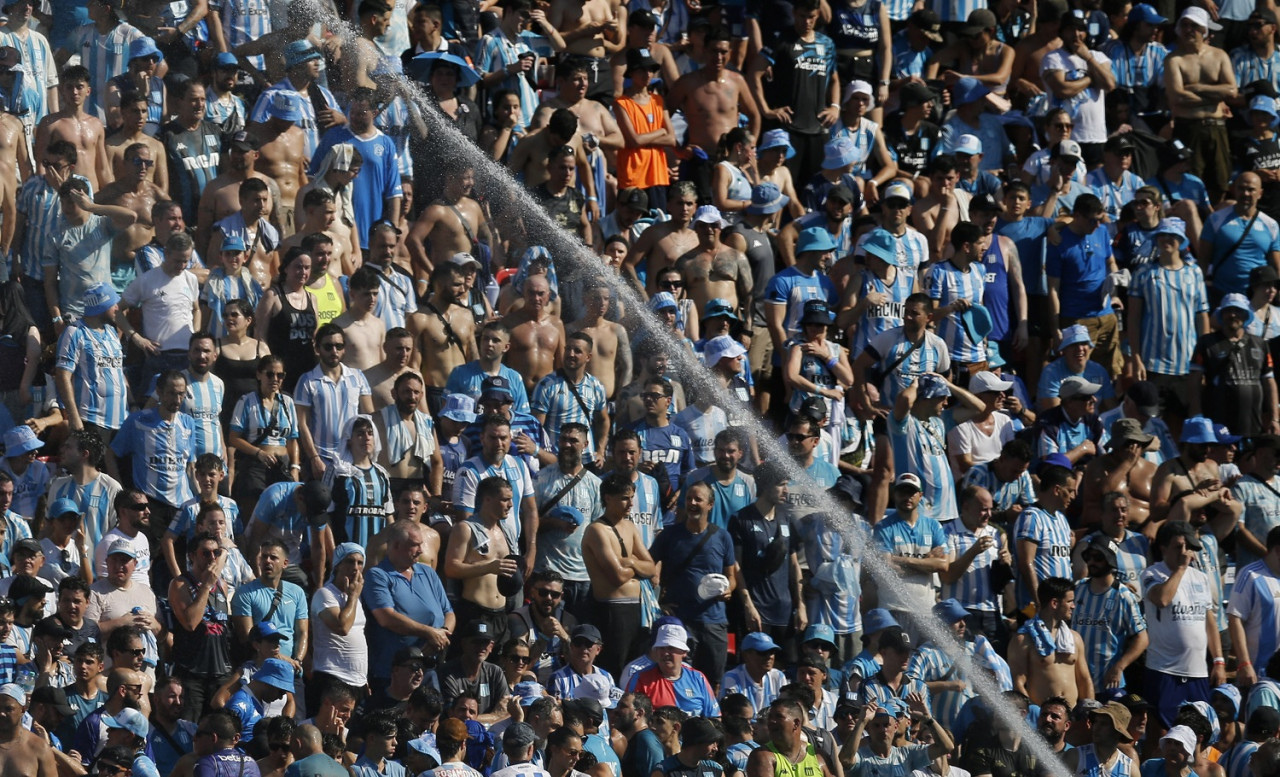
[{"x": 322, "y": 455}]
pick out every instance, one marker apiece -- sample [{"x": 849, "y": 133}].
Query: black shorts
[{"x": 1039, "y": 323}]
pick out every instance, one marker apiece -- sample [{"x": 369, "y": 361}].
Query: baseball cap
[
  {"x": 1067, "y": 149},
  {"x": 898, "y": 190},
  {"x": 908, "y": 480},
  {"x": 51, "y": 627},
  {"x": 928, "y": 22},
  {"x": 130, "y": 720},
  {"x": 267, "y": 630},
  {"x": 476, "y": 629},
  {"x": 55, "y": 697},
  {"x": 63, "y": 506},
  {"x": 760, "y": 642},
  {"x": 1170, "y": 530},
  {"x": 408, "y": 655},
  {"x": 709, "y": 214},
  {"x": 1076, "y": 386},
  {"x": 988, "y": 381},
  {"x": 122, "y": 547},
  {"x": 518, "y": 734},
  {"x": 496, "y": 387},
  {"x": 587, "y": 631},
  {"x": 1199, "y": 17},
  {"x": 233, "y": 242},
  {"x": 633, "y": 198},
  {"x": 1144, "y": 12},
  {"x": 464, "y": 259},
  {"x": 243, "y": 141},
  {"x": 1146, "y": 397}
]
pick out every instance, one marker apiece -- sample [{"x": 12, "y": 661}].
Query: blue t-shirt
[
  {"x": 1080, "y": 264},
  {"x": 676, "y": 545},
  {"x": 379, "y": 178},
  {"x": 421, "y": 599},
  {"x": 468, "y": 378},
  {"x": 1028, "y": 235},
  {"x": 255, "y": 600}
]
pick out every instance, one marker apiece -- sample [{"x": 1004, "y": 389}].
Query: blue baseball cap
[
  {"x": 881, "y": 244},
  {"x": 950, "y": 610},
  {"x": 776, "y": 138},
  {"x": 496, "y": 387},
  {"x": 568, "y": 514},
  {"x": 878, "y": 619},
  {"x": 276, "y": 673},
  {"x": 759, "y": 642},
  {"x": 1143, "y": 12},
  {"x": 967, "y": 90},
  {"x": 820, "y": 632},
  {"x": 528, "y": 692},
  {"x": 144, "y": 47},
  {"x": 99, "y": 298},
  {"x": 233, "y": 242},
  {"x": 1224, "y": 435},
  {"x": 1055, "y": 460},
  {"x": 1198, "y": 430},
  {"x": 21, "y": 439},
  {"x": 267, "y": 630},
  {"x": 815, "y": 239},
  {"x": 719, "y": 308},
  {"x": 225, "y": 59},
  {"x": 460, "y": 408},
  {"x": 63, "y": 506}
]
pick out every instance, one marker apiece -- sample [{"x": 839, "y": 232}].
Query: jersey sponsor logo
[
  {"x": 164, "y": 463},
  {"x": 1060, "y": 551}
]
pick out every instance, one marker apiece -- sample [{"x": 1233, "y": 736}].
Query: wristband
[
  {"x": 1242, "y": 663},
  {"x": 57, "y": 319},
  {"x": 832, "y": 362},
  {"x": 295, "y": 466},
  {"x": 1219, "y": 661},
  {"x": 592, "y": 199}
]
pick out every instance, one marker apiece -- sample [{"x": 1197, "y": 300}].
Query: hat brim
[
  {"x": 767, "y": 208},
  {"x": 791, "y": 151},
  {"x": 835, "y": 163}
]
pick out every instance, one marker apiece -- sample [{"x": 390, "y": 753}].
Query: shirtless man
[
  {"x": 1198, "y": 79},
  {"x": 1123, "y": 469},
  {"x": 362, "y": 57},
  {"x": 537, "y": 337},
  {"x": 713, "y": 96},
  {"x": 528, "y": 162},
  {"x": 221, "y": 197},
  {"x": 938, "y": 212},
  {"x": 415, "y": 458},
  {"x": 134, "y": 191},
  {"x": 365, "y": 331},
  {"x": 617, "y": 560},
  {"x": 596, "y": 124},
  {"x": 72, "y": 124},
  {"x": 250, "y": 220},
  {"x": 397, "y": 358},
  {"x": 477, "y": 551},
  {"x": 22, "y": 753},
  {"x": 713, "y": 270},
  {"x": 1042, "y": 668},
  {"x": 610, "y": 359},
  {"x": 659, "y": 246},
  {"x": 592, "y": 29},
  {"x": 444, "y": 330},
  {"x": 1025, "y": 82},
  {"x": 448, "y": 226},
  {"x": 15, "y": 167},
  {"x": 282, "y": 150},
  {"x": 320, "y": 214},
  {"x": 642, "y": 33},
  {"x": 1184, "y": 486},
  {"x": 133, "y": 115}
]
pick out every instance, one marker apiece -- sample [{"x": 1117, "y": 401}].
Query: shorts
[
  {"x": 760, "y": 355},
  {"x": 1167, "y": 692},
  {"x": 1039, "y": 323},
  {"x": 1210, "y": 152}
]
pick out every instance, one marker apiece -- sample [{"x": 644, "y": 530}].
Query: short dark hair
[
  {"x": 329, "y": 330},
  {"x": 965, "y": 232},
  {"x": 366, "y": 278},
  {"x": 491, "y": 487},
  {"x": 616, "y": 484},
  {"x": 1053, "y": 588}
]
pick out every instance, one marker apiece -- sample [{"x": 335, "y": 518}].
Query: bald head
[
  {"x": 307, "y": 740},
  {"x": 120, "y": 677},
  {"x": 976, "y": 505}
]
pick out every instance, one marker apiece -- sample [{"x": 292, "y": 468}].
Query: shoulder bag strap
[
  {"x": 546, "y": 506},
  {"x": 466, "y": 226},
  {"x": 449, "y": 334},
  {"x": 905, "y": 355},
  {"x": 621, "y": 544},
  {"x": 275, "y": 602},
  {"x": 576, "y": 395},
  {"x": 1213, "y": 268},
  {"x": 679, "y": 568}
]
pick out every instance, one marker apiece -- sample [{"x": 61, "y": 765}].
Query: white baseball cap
[
  {"x": 672, "y": 635},
  {"x": 1199, "y": 17},
  {"x": 968, "y": 144},
  {"x": 988, "y": 381}
]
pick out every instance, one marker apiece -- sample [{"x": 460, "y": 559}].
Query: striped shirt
[
  {"x": 889, "y": 347},
  {"x": 835, "y": 594},
  {"x": 232, "y": 116},
  {"x": 876, "y": 689},
  {"x": 1261, "y": 510},
  {"x": 1207, "y": 561},
  {"x": 96, "y": 500},
  {"x": 396, "y": 300},
  {"x": 96, "y": 363},
  {"x": 560, "y": 403},
  {"x": 1089, "y": 765},
  {"x": 219, "y": 289},
  {"x": 1254, "y": 598},
  {"x": 1106, "y": 622},
  {"x": 1172, "y": 301},
  {"x": 496, "y": 53},
  {"x": 422, "y": 444},
  {"x": 973, "y": 589},
  {"x": 1131, "y": 556},
  {"x": 105, "y": 55},
  {"x": 308, "y": 123},
  {"x": 469, "y": 378},
  {"x": 1051, "y": 534},
  {"x": 1250, "y": 67},
  {"x": 160, "y": 451},
  {"x": 1004, "y": 495},
  {"x": 863, "y": 138},
  {"x": 920, "y": 446},
  {"x": 184, "y": 521},
  {"x": 203, "y": 402},
  {"x": 39, "y": 204},
  {"x": 29, "y": 487},
  {"x": 931, "y": 663},
  {"x": 646, "y": 508},
  {"x": 1113, "y": 195},
  {"x": 244, "y": 21},
  {"x": 361, "y": 501},
  {"x": 760, "y": 694},
  {"x": 512, "y": 469},
  {"x": 252, "y": 421},
  {"x": 565, "y": 680},
  {"x": 16, "y": 528},
  {"x": 946, "y": 283},
  {"x": 39, "y": 71},
  {"x": 332, "y": 404},
  {"x": 876, "y": 319}
]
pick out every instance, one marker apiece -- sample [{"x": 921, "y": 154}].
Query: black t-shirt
[
  {"x": 1264, "y": 154},
  {"x": 752, "y": 535},
  {"x": 761, "y": 258},
  {"x": 913, "y": 150},
  {"x": 998, "y": 762},
  {"x": 490, "y": 686},
  {"x": 565, "y": 210},
  {"x": 802, "y": 73}
]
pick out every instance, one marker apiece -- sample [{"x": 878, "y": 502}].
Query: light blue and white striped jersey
[
  {"x": 930, "y": 664},
  {"x": 907, "y": 61},
  {"x": 1020, "y": 491},
  {"x": 564, "y": 680},
  {"x": 874, "y": 689},
  {"x": 332, "y": 406},
  {"x": 895, "y": 536},
  {"x": 920, "y": 446},
  {"x": 496, "y": 52},
  {"x": 394, "y": 123},
  {"x": 308, "y": 123},
  {"x": 396, "y": 300},
  {"x": 1261, "y": 510},
  {"x": 184, "y": 521},
  {"x": 889, "y": 347},
  {"x": 646, "y": 508},
  {"x": 1236, "y": 760},
  {"x": 946, "y": 283},
  {"x": 29, "y": 487},
  {"x": 902, "y": 761},
  {"x": 1131, "y": 556},
  {"x": 791, "y": 288},
  {"x": 1113, "y": 195},
  {"x": 1057, "y": 371},
  {"x": 232, "y": 116},
  {"x": 38, "y": 202},
  {"x": 219, "y": 290},
  {"x": 760, "y": 694},
  {"x": 244, "y": 21},
  {"x": 559, "y": 404},
  {"x": 1088, "y": 764},
  {"x": 1132, "y": 69},
  {"x": 562, "y": 551},
  {"x": 39, "y": 70},
  {"x": 835, "y": 594},
  {"x": 1250, "y": 67},
  {"x": 105, "y": 56},
  {"x": 515, "y": 472},
  {"x": 151, "y": 256},
  {"x": 1051, "y": 534},
  {"x": 96, "y": 363},
  {"x": 1106, "y": 622},
  {"x": 1207, "y": 560},
  {"x": 252, "y": 421},
  {"x": 1172, "y": 300},
  {"x": 973, "y": 589},
  {"x": 863, "y": 138},
  {"x": 203, "y": 402},
  {"x": 1254, "y": 599},
  {"x": 877, "y": 319},
  {"x": 159, "y": 452},
  {"x": 96, "y": 500},
  {"x": 16, "y": 528}
]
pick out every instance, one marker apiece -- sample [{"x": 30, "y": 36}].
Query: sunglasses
[
  {"x": 671, "y": 285},
  {"x": 144, "y": 163},
  {"x": 798, "y": 437},
  {"x": 582, "y": 643},
  {"x": 278, "y": 746},
  {"x": 547, "y": 593},
  {"x": 520, "y": 659},
  {"x": 1063, "y": 125},
  {"x": 141, "y": 507},
  {"x": 332, "y": 346},
  {"x": 277, "y": 375},
  {"x": 652, "y": 396}
]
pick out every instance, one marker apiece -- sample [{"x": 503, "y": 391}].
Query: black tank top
[
  {"x": 205, "y": 652},
  {"x": 291, "y": 336},
  {"x": 239, "y": 376}
]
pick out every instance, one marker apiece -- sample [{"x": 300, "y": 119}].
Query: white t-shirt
[
  {"x": 1179, "y": 642},
  {"x": 166, "y": 304},
  {"x": 1088, "y": 107},
  {"x": 141, "y": 546},
  {"x": 344, "y": 657},
  {"x": 967, "y": 438}
]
